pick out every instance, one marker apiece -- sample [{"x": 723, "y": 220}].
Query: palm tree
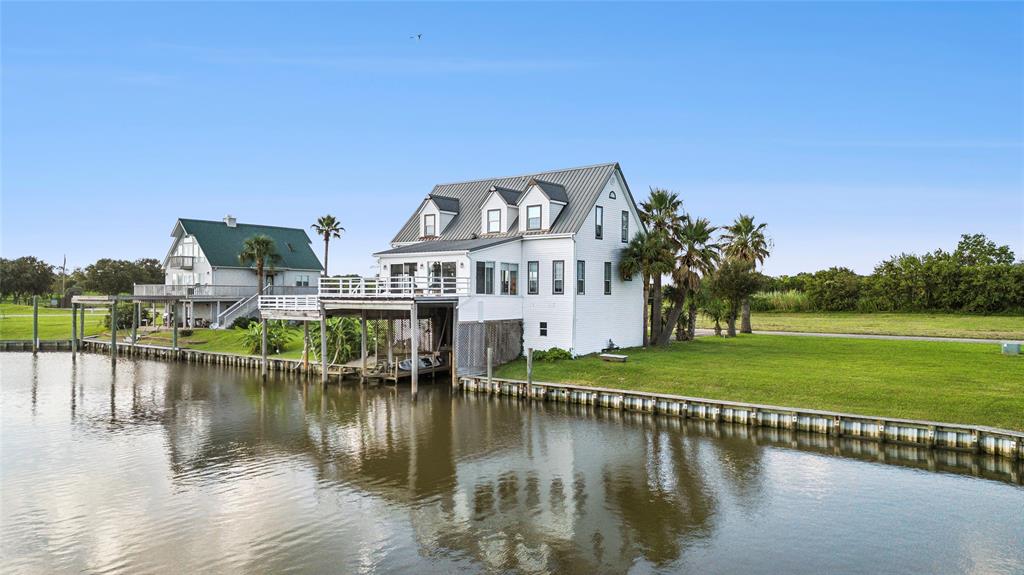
[
  {"x": 697, "y": 258},
  {"x": 646, "y": 255},
  {"x": 261, "y": 251},
  {"x": 746, "y": 242},
  {"x": 663, "y": 215},
  {"x": 327, "y": 227}
]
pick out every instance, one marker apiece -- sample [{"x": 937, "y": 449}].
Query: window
[
  {"x": 598, "y": 222},
  {"x": 302, "y": 281},
  {"x": 543, "y": 329},
  {"x": 532, "y": 278},
  {"x": 429, "y": 225},
  {"x": 493, "y": 221},
  {"x": 485, "y": 278},
  {"x": 625, "y": 226},
  {"x": 558, "y": 277},
  {"x": 533, "y": 217},
  {"x": 509, "y": 279},
  {"x": 607, "y": 278},
  {"x": 581, "y": 277}
]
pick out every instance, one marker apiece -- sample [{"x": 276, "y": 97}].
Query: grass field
[
  {"x": 219, "y": 340},
  {"x": 927, "y": 324},
  {"x": 54, "y": 323},
  {"x": 939, "y": 381}
]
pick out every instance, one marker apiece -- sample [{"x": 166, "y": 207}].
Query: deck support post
[
  {"x": 414, "y": 349},
  {"x": 453, "y": 366},
  {"x": 323, "y": 345},
  {"x": 263, "y": 346},
  {"x": 173, "y": 317},
  {"x": 305, "y": 347},
  {"x": 529, "y": 366},
  {"x": 136, "y": 312},
  {"x": 35, "y": 323},
  {"x": 81, "y": 328},
  {"x": 490, "y": 365},
  {"x": 113, "y": 331},
  {"x": 74, "y": 329},
  {"x": 362, "y": 344}
]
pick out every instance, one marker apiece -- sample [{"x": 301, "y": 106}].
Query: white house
[
  {"x": 203, "y": 270},
  {"x": 543, "y": 248}
]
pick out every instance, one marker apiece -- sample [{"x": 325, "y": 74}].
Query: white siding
[
  {"x": 534, "y": 196},
  {"x": 497, "y": 306},
  {"x": 556, "y": 310},
  {"x": 601, "y": 317},
  {"x": 494, "y": 202}
]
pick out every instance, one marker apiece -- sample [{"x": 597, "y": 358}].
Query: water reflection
[{"x": 188, "y": 467}]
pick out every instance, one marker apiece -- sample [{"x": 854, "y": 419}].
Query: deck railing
[
  {"x": 289, "y": 302},
  {"x": 396, "y": 286},
  {"x": 216, "y": 291}
]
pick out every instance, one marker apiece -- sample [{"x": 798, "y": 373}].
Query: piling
[
  {"x": 74, "y": 329},
  {"x": 414, "y": 344},
  {"x": 323, "y": 346},
  {"x": 35, "y": 323},
  {"x": 529, "y": 365},
  {"x": 490, "y": 365},
  {"x": 263, "y": 347}
]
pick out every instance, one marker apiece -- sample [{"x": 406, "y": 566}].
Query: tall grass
[{"x": 784, "y": 300}]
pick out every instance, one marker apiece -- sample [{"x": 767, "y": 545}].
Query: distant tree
[
  {"x": 745, "y": 241},
  {"x": 978, "y": 250},
  {"x": 109, "y": 276},
  {"x": 261, "y": 251},
  {"x": 733, "y": 282},
  {"x": 25, "y": 276},
  {"x": 327, "y": 227},
  {"x": 834, "y": 289}
]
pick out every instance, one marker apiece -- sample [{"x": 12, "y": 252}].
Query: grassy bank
[
  {"x": 926, "y": 324},
  {"x": 220, "y": 340},
  {"x": 940, "y": 381},
  {"x": 54, "y": 323}
]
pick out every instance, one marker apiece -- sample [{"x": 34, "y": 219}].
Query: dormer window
[
  {"x": 430, "y": 225},
  {"x": 533, "y": 217},
  {"x": 493, "y": 221}
]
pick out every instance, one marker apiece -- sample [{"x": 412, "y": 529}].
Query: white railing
[
  {"x": 216, "y": 291},
  {"x": 290, "y": 302},
  {"x": 396, "y": 286}
]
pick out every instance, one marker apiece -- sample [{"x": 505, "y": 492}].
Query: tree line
[
  {"x": 978, "y": 276},
  {"x": 27, "y": 276}
]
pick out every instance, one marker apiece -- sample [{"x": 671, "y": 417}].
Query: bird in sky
[{"x": 417, "y": 37}]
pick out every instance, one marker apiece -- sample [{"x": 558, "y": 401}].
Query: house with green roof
[{"x": 202, "y": 267}]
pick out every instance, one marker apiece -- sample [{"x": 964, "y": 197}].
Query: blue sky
[{"x": 856, "y": 131}]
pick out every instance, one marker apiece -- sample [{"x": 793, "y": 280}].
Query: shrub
[
  {"x": 242, "y": 322},
  {"x": 185, "y": 333},
  {"x": 277, "y": 337},
  {"x": 787, "y": 300},
  {"x": 124, "y": 315},
  {"x": 551, "y": 355},
  {"x": 834, "y": 289}
]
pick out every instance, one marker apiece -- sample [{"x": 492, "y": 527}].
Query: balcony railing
[
  {"x": 289, "y": 302},
  {"x": 181, "y": 262},
  {"x": 397, "y": 286},
  {"x": 216, "y": 291}
]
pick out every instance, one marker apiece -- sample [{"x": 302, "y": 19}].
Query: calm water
[{"x": 157, "y": 467}]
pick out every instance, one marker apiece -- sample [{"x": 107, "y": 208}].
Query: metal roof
[
  {"x": 448, "y": 245},
  {"x": 221, "y": 243},
  {"x": 510, "y": 197},
  {"x": 553, "y": 191},
  {"x": 445, "y": 204},
  {"x": 581, "y": 186}
]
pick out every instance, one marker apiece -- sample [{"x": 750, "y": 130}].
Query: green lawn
[
  {"x": 219, "y": 340},
  {"x": 928, "y": 324},
  {"x": 54, "y": 323},
  {"x": 940, "y": 381}
]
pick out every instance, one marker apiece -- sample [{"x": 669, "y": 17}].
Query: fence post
[
  {"x": 490, "y": 365},
  {"x": 263, "y": 346},
  {"x": 529, "y": 365},
  {"x": 35, "y": 323},
  {"x": 74, "y": 329}
]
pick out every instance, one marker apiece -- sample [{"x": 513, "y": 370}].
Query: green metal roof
[{"x": 221, "y": 244}]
